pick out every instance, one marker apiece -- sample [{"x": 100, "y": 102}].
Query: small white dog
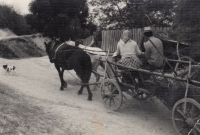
[{"x": 9, "y": 69}]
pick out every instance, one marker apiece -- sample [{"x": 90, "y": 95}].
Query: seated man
[
  {"x": 154, "y": 58},
  {"x": 153, "y": 47}
]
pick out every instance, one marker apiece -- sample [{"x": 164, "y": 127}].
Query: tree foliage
[
  {"x": 59, "y": 18},
  {"x": 186, "y": 23},
  {"x": 134, "y": 13},
  {"x": 11, "y": 19}
]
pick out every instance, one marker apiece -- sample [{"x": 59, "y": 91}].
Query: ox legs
[
  {"x": 89, "y": 92},
  {"x": 60, "y": 72}
]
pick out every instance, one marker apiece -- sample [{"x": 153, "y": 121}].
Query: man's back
[{"x": 151, "y": 53}]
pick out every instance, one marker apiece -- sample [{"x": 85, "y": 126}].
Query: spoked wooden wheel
[
  {"x": 186, "y": 117},
  {"x": 183, "y": 65},
  {"x": 111, "y": 94},
  {"x": 145, "y": 90}
]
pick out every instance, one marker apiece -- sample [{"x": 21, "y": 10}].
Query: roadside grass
[{"x": 19, "y": 117}]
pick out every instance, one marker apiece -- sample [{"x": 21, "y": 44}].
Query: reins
[{"x": 94, "y": 50}]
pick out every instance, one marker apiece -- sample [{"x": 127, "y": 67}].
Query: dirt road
[{"x": 37, "y": 81}]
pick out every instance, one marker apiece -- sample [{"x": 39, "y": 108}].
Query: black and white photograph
[{"x": 100, "y": 67}]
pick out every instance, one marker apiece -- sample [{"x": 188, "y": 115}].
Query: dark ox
[{"x": 67, "y": 57}]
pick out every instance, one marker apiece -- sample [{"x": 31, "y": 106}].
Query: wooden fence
[{"x": 110, "y": 38}]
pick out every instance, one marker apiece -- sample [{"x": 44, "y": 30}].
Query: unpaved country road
[{"x": 37, "y": 80}]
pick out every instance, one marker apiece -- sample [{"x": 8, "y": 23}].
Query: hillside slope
[{"x": 22, "y": 46}]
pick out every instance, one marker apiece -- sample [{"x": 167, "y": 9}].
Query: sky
[{"x": 20, "y": 5}]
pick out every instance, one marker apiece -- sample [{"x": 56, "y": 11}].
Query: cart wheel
[
  {"x": 183, "y": 65},
  {"x": 145, "y": 90},
  {"x": 186, "y": 117},
  {"x": 111, "y": 94}
]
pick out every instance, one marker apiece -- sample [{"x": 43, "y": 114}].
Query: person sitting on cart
[
  {"x": 129, "y": 51},
  {"x": 153, "y": 51}
]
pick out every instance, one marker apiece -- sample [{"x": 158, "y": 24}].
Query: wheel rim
[
  {"x": 149, "y": 87},
  {"x": 111, "y": 95},
  {"x": 183, "y": 65},
  {"x": 186, "y": 117}
]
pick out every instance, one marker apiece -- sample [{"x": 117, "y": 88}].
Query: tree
[
  {"x": 11, "y": 19},
  {"x": 59, "y": 18},
  {"x": 186, "y": 23},
  {"x": 134, "y": 13}
]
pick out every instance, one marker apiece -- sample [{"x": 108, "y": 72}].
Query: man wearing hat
[{"x": 153, "y": 50}]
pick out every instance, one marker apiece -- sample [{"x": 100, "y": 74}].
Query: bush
[
  {"x": 11, "y": 19},
  {"x": 186, "y": 23}
]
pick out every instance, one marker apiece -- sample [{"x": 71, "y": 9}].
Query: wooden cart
[{"x": 178, "y": 88}]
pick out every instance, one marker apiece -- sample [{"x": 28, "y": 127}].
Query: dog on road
[{"x": 9, "y": 69}]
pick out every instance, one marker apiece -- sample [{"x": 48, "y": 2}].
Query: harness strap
[{"x": 163, "y": 57}]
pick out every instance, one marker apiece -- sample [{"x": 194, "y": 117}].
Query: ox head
[{"x": 50, "y": 48}]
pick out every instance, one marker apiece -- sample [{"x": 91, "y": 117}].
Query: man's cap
[{"x": 147, "y": 29}]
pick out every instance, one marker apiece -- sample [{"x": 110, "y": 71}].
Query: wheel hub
[
  {"x": 110, "y": 95},
  {"x": 190, "y": 122}
]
